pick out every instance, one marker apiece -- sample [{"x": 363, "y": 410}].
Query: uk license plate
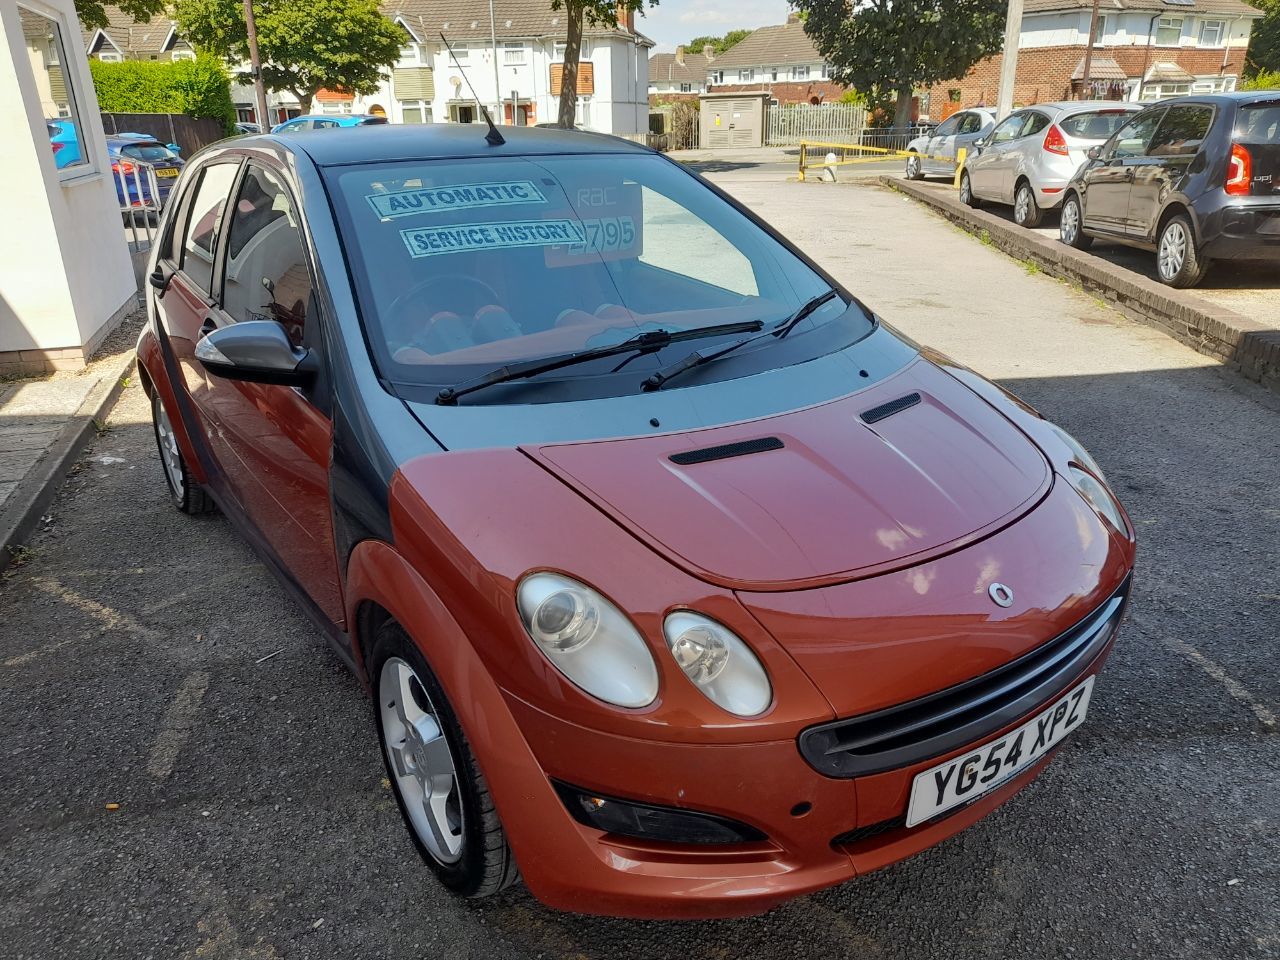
[
  {"x": 984, "y": 768},
  {"x": 166, "y": 173}
]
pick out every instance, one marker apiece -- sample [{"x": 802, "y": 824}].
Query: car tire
[
  {"x": 915, "y": 167},
  {"x": 1026, "y": 212},
  {"x": 1071, "y": 224},
  {"x": 458, "y": 834},
  {"x": 187, "y": 495},
  {"x": 1178, "y": 263},
  {"x": 966, "y": 191}
]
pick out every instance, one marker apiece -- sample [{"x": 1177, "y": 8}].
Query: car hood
[{"x": 912, "y": 467}]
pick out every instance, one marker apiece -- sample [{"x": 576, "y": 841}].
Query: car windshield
[
  {"x": 464, "y": 266},
  {"x": 148, "y": 152},
  {"x": 1095, "y": 125}
]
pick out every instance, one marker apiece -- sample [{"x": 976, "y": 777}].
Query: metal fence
[
  {"x": 788, "y": 125},
  {"x": 138, "y": 193},
  {"x": 890, "y": 139}
]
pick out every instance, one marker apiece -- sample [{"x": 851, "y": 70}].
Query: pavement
[{"x": 169, "y": 793}]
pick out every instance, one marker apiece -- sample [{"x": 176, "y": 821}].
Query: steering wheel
[{"x": 408, "y": 313}]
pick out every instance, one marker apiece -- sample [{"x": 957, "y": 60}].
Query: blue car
[
  {"x": 133, "y": 188},
  {"x": 65, "y": 142},
  {"x": 316, "y": 121}
]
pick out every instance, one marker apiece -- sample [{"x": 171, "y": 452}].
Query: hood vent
[
  {"x": 887, "y": 410},
  {"x": 727, "y": 450}
]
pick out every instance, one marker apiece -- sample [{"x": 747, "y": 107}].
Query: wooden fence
[
  {"x": 788, "y": 125},
  {"x": 189, "y": 133}
]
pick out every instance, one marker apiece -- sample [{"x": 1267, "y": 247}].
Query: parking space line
[
  {"x": 109, "y": 618},
  {"x": 1234, "y": 687},
  {"x": 178, "y": 721}
]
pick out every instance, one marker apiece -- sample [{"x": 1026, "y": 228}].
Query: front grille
[
  {"x": 910, "y": 732},
  {"x": 866, "y": 833}
]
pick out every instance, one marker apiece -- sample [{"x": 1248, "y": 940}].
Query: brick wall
[
  {"x": 814, "y": 91},
  {"x": 1044, "y": 73}
]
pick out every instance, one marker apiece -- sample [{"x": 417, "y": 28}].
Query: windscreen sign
[{"x": 408, "y": 203}]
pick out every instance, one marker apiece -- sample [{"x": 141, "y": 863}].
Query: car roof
[
  {"x": 431, "y": 141},
  {"x": 132, "y": 140}
]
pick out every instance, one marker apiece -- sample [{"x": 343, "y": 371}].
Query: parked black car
[{"x": 1195, "y": 179}]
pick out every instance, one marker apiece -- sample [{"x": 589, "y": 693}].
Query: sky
[{"x": 677, "y": 21}]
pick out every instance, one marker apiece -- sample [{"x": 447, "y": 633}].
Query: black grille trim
[
  {"x": 727, "y": 450},
  {"x": 887, "y": 410},
  {"x": 930, "y": 726},
  {"x": 866, "y": 833}
]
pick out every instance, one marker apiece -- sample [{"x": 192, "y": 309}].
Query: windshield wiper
[
  {"x": 648, "y": 342},
  {"x": 656, "y": 380}
]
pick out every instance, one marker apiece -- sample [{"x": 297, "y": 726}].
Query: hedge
[{"x": 196, "y": 88}]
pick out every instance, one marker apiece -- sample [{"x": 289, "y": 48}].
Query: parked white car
[
  {"x": 934, "y": 153},
  {"x": 1030, "y": 157}
]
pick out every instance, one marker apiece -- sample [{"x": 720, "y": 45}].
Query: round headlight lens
[
  {"x": 1099, "y": 497},
  {"x": 718, "y": 663},
  {"x": 588, "y": 639}
]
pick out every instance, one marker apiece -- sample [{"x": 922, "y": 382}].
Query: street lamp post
[{"x": 497, "y": 83}]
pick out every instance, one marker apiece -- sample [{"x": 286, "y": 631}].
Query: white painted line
[
  {"x": 178, "y": 720},
  {"x": 1234, "y": 687}
]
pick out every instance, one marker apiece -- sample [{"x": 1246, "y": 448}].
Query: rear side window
[
  {"x": 1094, "y": 126},
  {"x": 1132, "y": 139},
  {"x": 1181, "y": 131},
  {"x": 1259, "y": 123},
  {"x": 204, "y": 222},
  {"x": 1010, "y": 129},
  {"x": 1036, "y": 122},
  {"x": 266, "y": 276},
  {"x": 972, "y": 123}
]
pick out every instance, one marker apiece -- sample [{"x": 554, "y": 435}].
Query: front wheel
[
  {"x": 442, "y": 794},
  {"x": 1178, "y": 262},
  {"x": 966, "y": 191},
  {"x": 188, "y": 496},
  {"x": 1026, "y": 212},
  {"x": 915, "y": 169},
  {"x": 1070, "y": 226}
]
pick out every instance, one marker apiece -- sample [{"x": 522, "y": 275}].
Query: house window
[
  {"x": 513, "y": 54},
  {"x": 460, "y": 52},
  {"x": 1104, "y": 27},
  {"x": 557, "y": 52},
  {"x": 826, "y": 71},
  {"x": 746, "y": 75},
  {"x": 410, "y": 55},
  {"x": 415, "y": 111},
  {"x": 110, "y": 56},
  {"x": 686, "y": 88},
  {"x": 46, "y": 53},
  {"x": 1212, "y": 33},
  {"x": 1161, "y": 91},
  {"x": 717, "y": 76},
  {"x": 1169, "y": 31},
  {"x": 800, "y": 73},
  {"x": 336, "y": 107},
  {"x": 183, "y": 55}
]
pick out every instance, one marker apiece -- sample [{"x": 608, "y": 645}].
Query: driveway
[{"x": 253, "y": 820}]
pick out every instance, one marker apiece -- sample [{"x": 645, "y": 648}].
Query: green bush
[
  {"x": 196, "y": 88},
  {"x": 1266, "y": 80}
]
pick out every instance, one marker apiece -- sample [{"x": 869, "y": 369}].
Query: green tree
[
  {"x": 597, "y": 13},
  {"x": 1264, "y": 43},
  {"x": 894, "y": 46},
  {"x": 196, "y": 88},
  {"x": 718, "y": 44},
  {"x": 93, "y": 14},
  {"x": 305, "y": 45}
]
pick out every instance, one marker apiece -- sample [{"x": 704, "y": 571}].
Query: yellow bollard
[
  {"x": 959, "y": 166},
  {"x": 801, "y": 177}
]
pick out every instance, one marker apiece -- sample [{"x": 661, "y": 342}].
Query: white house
[{"x": 680, "y": 72}]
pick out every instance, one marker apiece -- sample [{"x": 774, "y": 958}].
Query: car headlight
[
  {"x": 718, "y": 663},
  {"x": 1078, "y": 453},
  {"x": 1099, "y": 497},
  {"x": 588, "y": 639}
]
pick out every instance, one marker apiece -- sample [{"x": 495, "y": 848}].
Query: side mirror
[
  {"x": 980, "y": 142},
  {"x": 1094, "y": 153},
  {"x": 256, "y": 351}
]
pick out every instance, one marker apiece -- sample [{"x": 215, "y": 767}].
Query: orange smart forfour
[{"x": 681, "y": 583}]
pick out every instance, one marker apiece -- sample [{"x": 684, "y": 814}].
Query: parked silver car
[
  {"x": 960, "y": 130},
  {"x": 1031, "y": 155}
]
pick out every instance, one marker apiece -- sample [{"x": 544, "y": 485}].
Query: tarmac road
[{"x": 253, "y": 822}]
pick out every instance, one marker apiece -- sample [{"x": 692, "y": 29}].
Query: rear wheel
[
  {"x": 442, "y": 794},
  {"x": 188, "y": 496},
  {"x": 1026, "y": 212},
  {"x": 966, "y": 191},
  {"x": 915, "y": 169},
  {"x": 1070, "y": 226},
  {"x": 1177, "y": 261}
]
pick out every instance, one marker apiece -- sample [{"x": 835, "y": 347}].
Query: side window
[
  {"x": 1181, "y": 132},
  {"x": 1035, "y": 124},
  {"x": 204, "y": 222},
  {"x": 1131, "y": 140},
  {"x": 676, "y": 239},
  {"x": 972, "y": 123},
  {"x": 266, "y": 276},
  {"x": 1010, "y": 129},
  {"x": 950, "y": 126}
]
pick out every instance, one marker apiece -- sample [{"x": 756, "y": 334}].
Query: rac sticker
[
  {"x": 406, "y": 203},
  {"x": 430, "y": 241}
]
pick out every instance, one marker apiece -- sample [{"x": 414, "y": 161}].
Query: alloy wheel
[
  {"x": 913, "y": 168},
  {"x": 1022, "y": 205},
  {"x": 170, "y": 456},
  {"x": 1069, "y": 228},
  {"x": 966, "y": 190},
  {"x": 1173, "y": 250},
  {"x": 421, "y": 759}
]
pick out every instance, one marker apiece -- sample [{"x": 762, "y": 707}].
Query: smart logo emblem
[{"x": 1001, "y": 595}]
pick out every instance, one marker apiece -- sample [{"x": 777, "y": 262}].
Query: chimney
[
  {"x": 709, "y": 52},
  {"x": 680, "y": 55},
  {"x": 793, "y": 17},
  {"x": 626, "y": 18}
]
